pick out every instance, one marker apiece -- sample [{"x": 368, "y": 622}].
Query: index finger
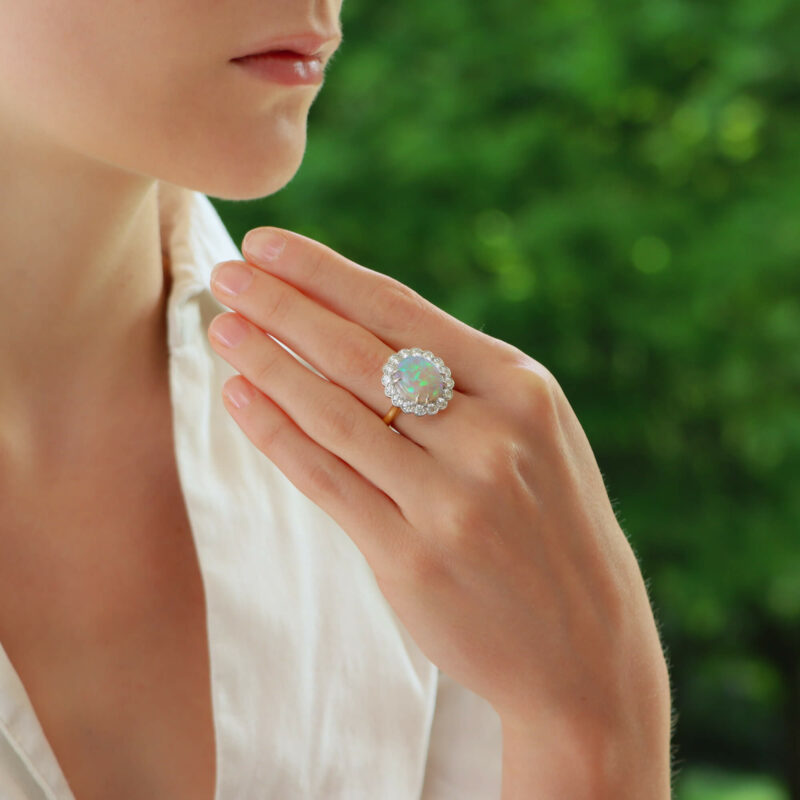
[{"x": 392, "y": 311}]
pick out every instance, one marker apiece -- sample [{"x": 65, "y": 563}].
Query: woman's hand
[{"x": 487, "y": 526}]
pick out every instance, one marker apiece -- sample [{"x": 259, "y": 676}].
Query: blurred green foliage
[
  {"x": 710, "y": 784},
  {"x": 614, "y": 188}
]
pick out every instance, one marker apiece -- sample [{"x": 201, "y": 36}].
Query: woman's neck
[{"x": 84, "y": 280}]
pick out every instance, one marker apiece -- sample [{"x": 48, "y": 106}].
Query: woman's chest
[{"x": 110, "y": 642}]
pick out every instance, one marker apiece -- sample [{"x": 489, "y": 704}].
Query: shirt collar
[{"x": 196, "y": 239}]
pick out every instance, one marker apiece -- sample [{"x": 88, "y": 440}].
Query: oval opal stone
[{"x": 418, "y": 379}]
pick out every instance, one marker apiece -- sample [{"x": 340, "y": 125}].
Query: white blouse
[{"x": 318, "y": 691}]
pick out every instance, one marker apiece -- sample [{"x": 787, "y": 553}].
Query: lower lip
[{"x": 290, "y": 69}]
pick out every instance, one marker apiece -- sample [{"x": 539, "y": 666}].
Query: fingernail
[
  {"x": 232, "y": 278},
  {"x": 229, "y": 330},
  {"x": 240, "y": 394},
  {"x": 264, "y": 244}
]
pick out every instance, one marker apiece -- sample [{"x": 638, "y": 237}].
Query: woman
[{"x": 222, "y": 576}]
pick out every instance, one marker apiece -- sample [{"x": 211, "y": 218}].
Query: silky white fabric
[{"x": 318, "y": 690}]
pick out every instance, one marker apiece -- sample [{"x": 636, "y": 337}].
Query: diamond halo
[{"x": 417, "y": 381}]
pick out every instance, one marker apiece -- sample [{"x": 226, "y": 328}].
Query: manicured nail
[
  {"x": 240, "y": 394},
  {"x": 232, "y": 278},
  {"x": 264, "y": 244},
  {"x": 229, "y": 330}
]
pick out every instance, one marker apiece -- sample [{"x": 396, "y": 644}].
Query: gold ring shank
[{"x": 395, "y": 410}]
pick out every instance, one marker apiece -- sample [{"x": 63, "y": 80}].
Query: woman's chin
[{"x": 248, "y": 178}]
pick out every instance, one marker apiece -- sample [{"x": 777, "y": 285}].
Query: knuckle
[
  {"x": 320, "y": 265},
  {"x": 536, "y": 395},
  {"x": 267, "y": 437},
  {"x": 267, "y": 365},
  {"x": 320, "y": 480},
  {"x": 539, "y": 382},
  {"x": 396, "y": 306},
  {"x": 505, "y": 352},
  {"x": 470, "y": 527},
  {"x": 279, "y": 306},
  {"x": 423, "y": 567},
  {"x": 462, "y": 516},
  {"x": 500, "y": 458},
  {"x": 340, "y": 420},
  {"x": 360, "y": 356},
  {"x": 314, "y": 266}
]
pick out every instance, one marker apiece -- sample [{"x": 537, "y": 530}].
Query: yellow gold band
[{"x": 395, "y": 410}]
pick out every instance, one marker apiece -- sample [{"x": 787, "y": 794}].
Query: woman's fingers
[
  {"x": 324, "y": 411},
  {"x": 338, "y": 348},
  {"x": 353, "y": 502}
]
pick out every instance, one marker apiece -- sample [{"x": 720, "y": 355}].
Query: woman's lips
[
  {"x": 285, "y": 66},
  {"x": 305, "y": 44}
]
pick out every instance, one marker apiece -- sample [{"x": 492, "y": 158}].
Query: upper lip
[{"x": 306, "y": 44}]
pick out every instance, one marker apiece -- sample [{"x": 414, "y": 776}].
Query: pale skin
[
  {"x": 536, "y": 602},
  {"x": 527, "y": 591}
]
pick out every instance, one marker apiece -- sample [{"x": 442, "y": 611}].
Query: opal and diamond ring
[{"x": 417, "y": 382}]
